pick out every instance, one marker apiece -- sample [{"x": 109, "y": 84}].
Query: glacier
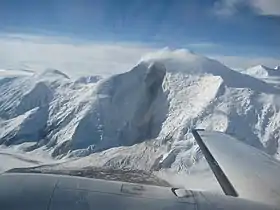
[{"x": 140, "y": 119}]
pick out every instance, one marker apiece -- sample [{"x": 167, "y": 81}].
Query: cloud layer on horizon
[{"x": 78, "y": 59}]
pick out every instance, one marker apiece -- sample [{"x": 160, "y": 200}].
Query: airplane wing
[
  {"x": 239, "y": 177},
  {"x": 35, "y": 191},
  {"x": 242, "y": 170}
]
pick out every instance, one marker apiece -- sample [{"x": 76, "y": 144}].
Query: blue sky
[
  {"x": 46, "y": 33},
  {"x": 229, "y": 26}
]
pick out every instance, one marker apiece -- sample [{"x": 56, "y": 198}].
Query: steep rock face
[
  {"x": 41, "y": 95},
  {"x": 123, "y": 111},
  {"x": 21, "y": 94},
  {"x": 26, "y": 127}
]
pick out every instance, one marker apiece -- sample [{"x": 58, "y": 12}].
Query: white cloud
[
  {"x": 262, "y": 7},
  {"x": 38, "y": 53},
  {"x": 267, "y": 7},
  {"x": 226, "y": 7}
]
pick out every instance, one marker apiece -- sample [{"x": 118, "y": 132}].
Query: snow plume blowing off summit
[{"x": 140, "y": 119}]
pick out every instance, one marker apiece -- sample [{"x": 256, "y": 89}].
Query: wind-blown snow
[
  {"x": 140, "y": 119},
  {"x": 14, "y": 73}
]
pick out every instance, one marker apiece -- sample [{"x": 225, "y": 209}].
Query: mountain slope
[
  {"x": 140, "y": 119},
  {"x": 115, "y": 111}
]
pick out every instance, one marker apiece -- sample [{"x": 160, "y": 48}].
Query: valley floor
[{"x": 13, "y": 159}]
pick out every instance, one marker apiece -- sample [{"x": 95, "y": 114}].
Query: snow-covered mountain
[
  {"x": 268, "y": 75},
  {"x": 262, "y": 71},
  {"x": 140, "y": 119}
]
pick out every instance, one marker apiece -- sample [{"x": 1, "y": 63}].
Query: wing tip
[{"x": 222, "y": 179}]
